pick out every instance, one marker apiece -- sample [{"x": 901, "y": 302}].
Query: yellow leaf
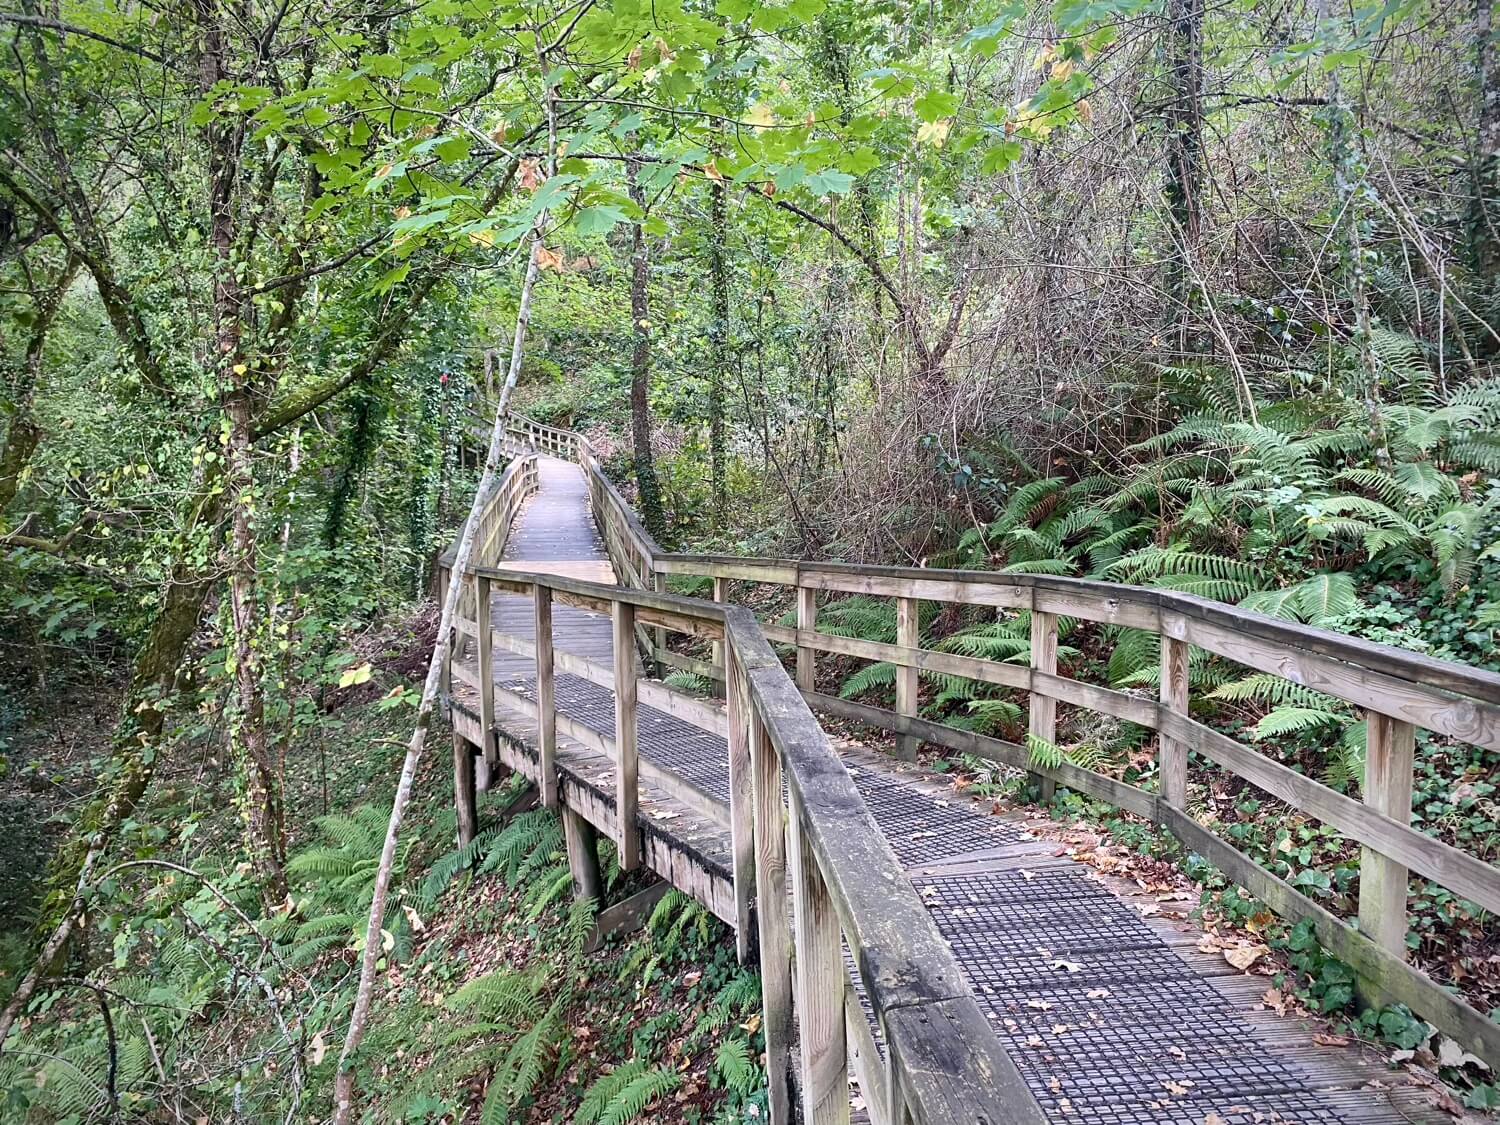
[
  {"x": 760, "y": 116},
  {"x": 934, "y": 133}
]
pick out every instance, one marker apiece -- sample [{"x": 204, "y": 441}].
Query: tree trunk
[
  {"x": 1184, "y": 153},
  {"x": 248, "y": 737},
  {"x": 1484, "y": 233},
  {"x": 718, "y": 374},
  {"x": 23, "y": 436},
  {"x": 646, "y": 481},
  {"x": 359, "y": 1018}
]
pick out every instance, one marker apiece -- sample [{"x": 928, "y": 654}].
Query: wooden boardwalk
[{"x": 1111, "y": 1015}]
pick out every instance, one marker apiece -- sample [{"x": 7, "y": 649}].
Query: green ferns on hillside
[{"x": 1290, "y": 507}]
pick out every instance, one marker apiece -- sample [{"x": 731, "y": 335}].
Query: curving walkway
[{"x": 1112, "y": 1016}]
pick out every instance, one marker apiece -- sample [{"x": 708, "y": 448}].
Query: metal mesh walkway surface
[{"x": 1107, "y": 1022}]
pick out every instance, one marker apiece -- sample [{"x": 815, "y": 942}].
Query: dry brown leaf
[{"x": 1243, "y": 956}]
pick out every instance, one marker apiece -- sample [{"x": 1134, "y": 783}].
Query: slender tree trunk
[
  {"x": 248, "y": 736},
  {"x": 718, "y": 268},
  {"x": 1484, "y": 232},
  {"x": 1184, "y": 154},
  {"x": 24, "y": 435},
  {"x": 359, "y": 1018},
  {"x": 646, "y": 480}
]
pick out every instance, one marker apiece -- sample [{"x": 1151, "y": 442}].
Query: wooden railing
[
  {"x": 793, "y": 812},
  {"x": 1396, "y": 690}
]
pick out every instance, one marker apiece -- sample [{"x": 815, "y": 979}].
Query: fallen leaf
[
  {"x": 1040, "y": 1005},
  {"x": 1179, "y": 1089},
  {"x": 1323, "y": 1039},
  {"x": 1243, "y": 956},
  {"x": 1070, "y": 966},
  {"x": 1214, "y": 1119}
]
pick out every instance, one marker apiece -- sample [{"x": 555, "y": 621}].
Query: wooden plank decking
[{"x": 1112, "y": 1017}]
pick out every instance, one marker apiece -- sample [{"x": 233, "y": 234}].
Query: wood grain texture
[
  {"x": 1389, "y": 748},
  {"x": 822, "y": 1039}
]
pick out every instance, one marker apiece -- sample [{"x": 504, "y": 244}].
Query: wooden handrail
[
  {"x": 845, "y": 882},
  {"x": 1398, "y": 690}
]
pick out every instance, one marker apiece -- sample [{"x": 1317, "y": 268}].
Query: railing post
[
  {"x": 546, "y": 696},
  {"x": 907, "y": 636},
  {"x": 1042, "y": 708},
  {"x": 807, "y": 619},
  {"x": 721, "y": 595},
  {"x": 771, "y": 919},
  {"x": 1390, "y": 745},
  {"x": 485, "y": 628},
  {"x": 582, "y": 845},
  {"x": 445, "y": 674},
  {"x": 627, "y": 764},
  {"x": 658, "y": 635},
  {"x": 465, "y": 802},
  {"x": 820, "y": 986},
  {"x": 741, "y": 822},
  {"x": 1173, "y": 755}
]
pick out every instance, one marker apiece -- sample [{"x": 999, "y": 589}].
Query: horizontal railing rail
[
  {"x": 943, "y": 1064},
  {"x": 1396, "y": 691}
]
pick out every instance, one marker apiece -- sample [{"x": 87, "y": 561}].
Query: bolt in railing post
[
  {"x": 907, "y": 636},
  {"x": 546, "y": 696},
  {"x": 1042, "y": 708},
  {"x": 1172, "y": 755},
  {"x": 770, "y": 917},
  {"x": 807, "y": 620},
  {"x": 627, "y": 763},
  {"x": 741, "y": 813},
  {"x": 1390, "y": 746},
  {"x": 485, "y": 628},
  {"x": 820, "y": 986}
]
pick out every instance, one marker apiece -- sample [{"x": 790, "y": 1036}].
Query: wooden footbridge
[{"x": 943, "y": 961}]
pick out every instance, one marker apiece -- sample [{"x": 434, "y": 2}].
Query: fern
[
  {"x": 624, "y": 1094},
  {"x": 1295, "y": 720},
  {"x": 867, "y": 679},
  {"x": 736, "y": 1070}
]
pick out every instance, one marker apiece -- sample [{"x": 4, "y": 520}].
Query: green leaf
[
  {"x": 352, "y": 676},
  {"x": 829, "y": 183},
  {"x": 999, "y": 157},
  {"x": 936, "y": 105},
  {"x": 598, "y": 220}
]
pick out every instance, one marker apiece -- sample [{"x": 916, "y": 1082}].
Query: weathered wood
[
  {"x": 1091, "y": 784},
  {"x": 775, "y": 946},
  {"x": 582, "y": 844},
  {"x": 627, "y": 916},
  {"x": 907, "y": 687},
  {"x": 947, "y": 1067},
  {"x": 1041, "y": 708},
  {"x": 1468, "y": 720},
  {"x": 864, "y": 1058},
  {"x": 1464, "y": 874},
  {"x": 1106, "y": 701},
  {"x": 822, "y": 1038},
  {"x": 985, "y": 671},
  {"x": 721, "y": 597},
  {"x": 482, "y": 615},
  {"x": 1389, "y": 747},
  {"x": 807, "y": 623},
  {"x": 465, "y": 801},
  {"x": 1172, "y": 755},
  {"x": 546, "y": 695},
  {"x": 627, "y": 755},
  {"x": 741, "y": 802},
  {"x": 1385, "y": 976}
]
